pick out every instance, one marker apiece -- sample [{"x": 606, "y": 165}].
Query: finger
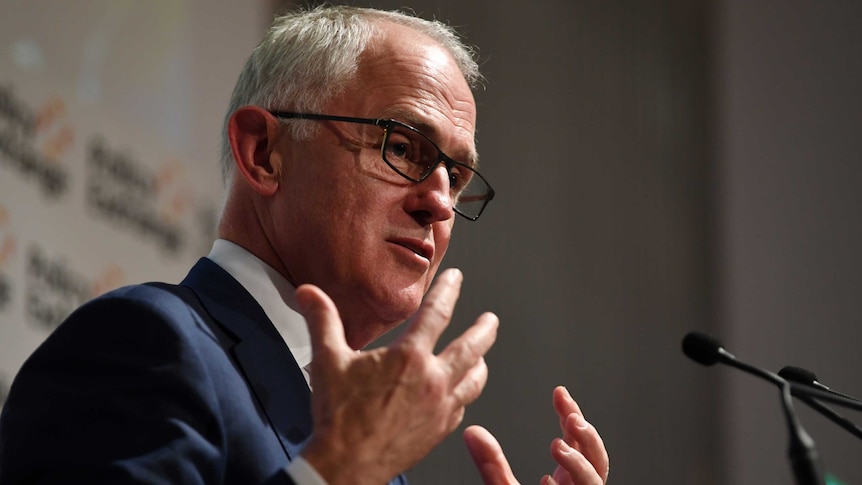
[
  {"x": 435, "y": 313},
  {"x": 463, "y": 353},
  {"x": 472, "y": 384},
  {"x": 561, "y": 476},
  {"x": 455, "y": 419},
  {"x": 488, "y": 457},
  {"x": 565, "y": 405},
  {"x": 588, "y": 442},
  {"x": 324, "y": 323},
  {"x": 572, "y": 463}
]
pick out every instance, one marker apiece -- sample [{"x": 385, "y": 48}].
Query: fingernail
[
  {"x": 546, "y": 479},
  {"x": 564, "y": 447},
  {"x": 580, "y": 422},
  {"x": 455, "y": 274}
]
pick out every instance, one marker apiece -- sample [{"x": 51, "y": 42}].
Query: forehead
[{"x": 406, "y": 75}]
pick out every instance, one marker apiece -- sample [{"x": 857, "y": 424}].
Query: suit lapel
[{"x": 265, "y": 360}]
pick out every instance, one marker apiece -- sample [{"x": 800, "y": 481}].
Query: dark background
[{"x": 662, "y": 167}]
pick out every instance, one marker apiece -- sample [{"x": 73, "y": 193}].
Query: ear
[{"x": 253, "y": 132}]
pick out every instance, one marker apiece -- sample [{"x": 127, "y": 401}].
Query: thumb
[
  {"x": 488, "y": 457},
  {"x": 324, "y": 323}
]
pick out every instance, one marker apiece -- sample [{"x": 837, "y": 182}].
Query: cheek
[
  {"x": 359, "y": 219},
  {"x": 442, "y": 234}
]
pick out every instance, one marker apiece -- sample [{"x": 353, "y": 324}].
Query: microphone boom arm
[
  {"x": 831, "y": 415},
  {"x": 803, "y": 390}
]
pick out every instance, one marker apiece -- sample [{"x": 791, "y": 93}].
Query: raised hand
[
  {"x": 580, "y": 454},
  {"x": 378, "y": 412}
]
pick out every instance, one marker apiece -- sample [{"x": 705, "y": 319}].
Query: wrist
[{"x": 340, "y": 465}]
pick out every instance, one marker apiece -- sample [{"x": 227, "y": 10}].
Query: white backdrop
[{"x": 110, "y": 113}]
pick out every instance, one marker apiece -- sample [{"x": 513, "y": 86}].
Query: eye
[
  {"x": 398, "y": 150},
  {"x": 459, "y": 177},
  {"x": 400, "y": 147}
]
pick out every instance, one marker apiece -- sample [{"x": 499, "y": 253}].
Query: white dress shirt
[{"x": 275, "y": 295}]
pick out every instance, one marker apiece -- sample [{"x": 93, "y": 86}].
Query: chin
[
  {"x": 406, "y": 303},
  {"x": 366, "y": 335},
  {"x": 361, "y": 333},
  {"x": 382, "y": 307}
]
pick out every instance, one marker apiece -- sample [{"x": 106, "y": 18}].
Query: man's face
[{"x": 347, "y": 222}]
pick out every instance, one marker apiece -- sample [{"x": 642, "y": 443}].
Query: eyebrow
[{"x": 410, "y": 118}]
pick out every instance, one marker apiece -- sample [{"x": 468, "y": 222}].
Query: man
[{"x": 349, "y": 148}]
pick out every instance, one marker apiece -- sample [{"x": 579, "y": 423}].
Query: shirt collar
[{"x": 272, "y": 292}]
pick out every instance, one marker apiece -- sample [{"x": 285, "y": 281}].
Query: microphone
[
  {"x": 803, "y": 376},
  {"x": 802, "y": 452}
]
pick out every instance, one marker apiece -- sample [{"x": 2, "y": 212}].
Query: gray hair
[{"x": 309, "y": 56}]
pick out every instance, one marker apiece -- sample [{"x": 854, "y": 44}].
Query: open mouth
[{"x": 420, "y": 248}]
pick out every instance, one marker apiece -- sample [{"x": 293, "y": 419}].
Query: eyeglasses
[{"x": 414, "y": 156}]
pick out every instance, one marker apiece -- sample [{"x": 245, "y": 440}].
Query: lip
[{"x": 418, "y": 246}]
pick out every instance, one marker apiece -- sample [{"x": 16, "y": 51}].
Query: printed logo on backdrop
[
  {"x": 55, "y": 288},
  {"x": 33, "y": 140},
  {"x": 7, "y": 250},
  {"x": 153, "y": 204}
]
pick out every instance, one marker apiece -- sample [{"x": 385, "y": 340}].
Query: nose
[{"x": 430, "y": 200}]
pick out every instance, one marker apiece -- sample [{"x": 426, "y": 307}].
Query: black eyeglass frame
[{"x": 386, "y": 125}]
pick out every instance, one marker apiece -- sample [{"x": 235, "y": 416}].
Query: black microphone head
[
  {"x": 701, "y": 348},
  {"x": 798, "y": 374}
]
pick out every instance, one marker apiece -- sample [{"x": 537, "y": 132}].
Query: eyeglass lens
[{"x": 414, "y": 156}]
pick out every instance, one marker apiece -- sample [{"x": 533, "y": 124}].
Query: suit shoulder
[
  {"x": 140, "y": 320},
  {"x": 147, "y": 302}
]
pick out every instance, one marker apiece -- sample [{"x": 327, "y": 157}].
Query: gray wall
[
  {"x": 663, "y": 166},
  {"x": 595, "y": 254},
  {"x": 660, "y": 166},
  {"x": 789, "y": 89}
]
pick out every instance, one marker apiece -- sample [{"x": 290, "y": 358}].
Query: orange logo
[
  {"x": 61, "y": 138},
  {"x": 175, "y": 197},
  {"x": 111, "y": 277}
]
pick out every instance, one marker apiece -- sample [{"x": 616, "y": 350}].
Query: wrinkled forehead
[{"x": 406, "y": 75}]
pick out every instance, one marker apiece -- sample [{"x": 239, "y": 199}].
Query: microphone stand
[
  {"x": 836, "y": 418},
  {"x": 804, "y": 459},
  {"x": 804, "y": 393}
]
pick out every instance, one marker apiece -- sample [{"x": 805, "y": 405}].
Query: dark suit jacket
[{"x": 159, "y": 383}]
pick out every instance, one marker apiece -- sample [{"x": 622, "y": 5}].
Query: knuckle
[
  {"x": 455, "y": 419},
  {"x": 436, "y": 388},
  {"x": 418, "y": 370},
  {"x": 468, "y": 350},
  {"x": 470, "y": 391},
  {"x": 439, "y": 309},
  {"x": 410, "y": 358}
]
